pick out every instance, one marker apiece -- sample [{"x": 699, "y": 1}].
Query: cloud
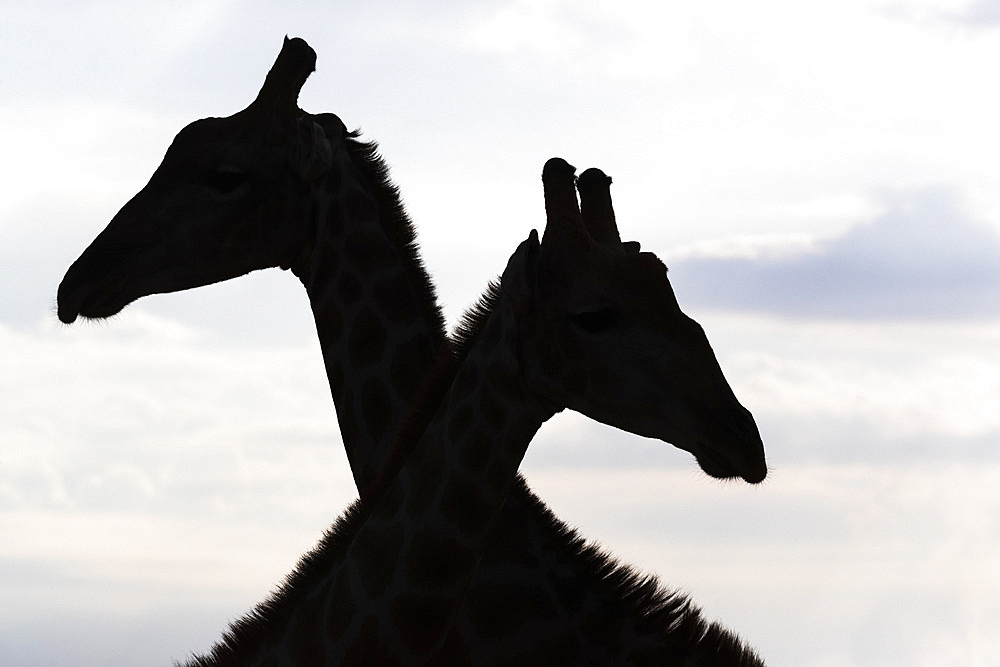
[
  {"x": 985, "y": 13},
  {"x": 144, "y": 412},
  {"x": 923, "y": 259},
  {"x": 976, "y": 15}
]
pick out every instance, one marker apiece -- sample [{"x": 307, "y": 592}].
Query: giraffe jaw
[
  {"x": 719, "y": 466},
  {"x": 81, "y": 296},
  {"x": 87, "y": 303}
]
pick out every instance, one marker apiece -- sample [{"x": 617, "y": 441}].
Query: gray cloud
[
  {"x": 925, "y": 258},
  {"x": 980, "y": 14},
  {"x": 976, "y": 15}
]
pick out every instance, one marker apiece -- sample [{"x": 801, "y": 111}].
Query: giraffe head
[
  {"x": 601, "y": 333},
  {"x": 221, "y": 204}
]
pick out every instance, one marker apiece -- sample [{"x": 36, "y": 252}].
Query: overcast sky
[{"x": 821, "y": 181}]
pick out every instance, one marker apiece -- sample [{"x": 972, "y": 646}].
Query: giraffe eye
[
  {"x": 596, "y": 321},
  {"x": 226, "y": 181}
]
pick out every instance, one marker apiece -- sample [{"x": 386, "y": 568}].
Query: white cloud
[
  {"x": 982, "y": 13},
  {"x": 143, "y": 411},
  {"x": 923, "y": 259},
  {"x": 972, "y": 15}
]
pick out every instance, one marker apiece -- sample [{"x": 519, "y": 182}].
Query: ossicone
[
  {"x": 596, "y": 210},
  {"x": 291, "y": 68}
]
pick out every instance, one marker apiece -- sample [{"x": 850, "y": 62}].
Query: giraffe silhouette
[{"x": 272, "y": 186}]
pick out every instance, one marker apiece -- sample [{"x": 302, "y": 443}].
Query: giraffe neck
[
  {"x": 433, "y": 519},
  {"x": 374, "y": 305}
]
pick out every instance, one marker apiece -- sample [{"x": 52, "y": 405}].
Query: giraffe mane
[
  {"x": 397, "y": 225},
  {"x": 245, "y": 635},
  {"x": 660, "y": 609}
]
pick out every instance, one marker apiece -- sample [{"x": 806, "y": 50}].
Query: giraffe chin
[
  {"x": 92, "y": 306},
  {"x": 715, "y": 465}
]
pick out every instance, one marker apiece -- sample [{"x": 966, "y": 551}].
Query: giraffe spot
[
  {"x": 475, "y": 453},
  {"x": 329, "y": 322},
  {"x": 303, "y": 641},
  {"x": 368, "y": 252},
  {"x": 420, "y": 619},
  {"x": 502, "y": 380},
  {"x": 510, "y": 540},
  {"x": 359, "y": 205},
  {"x": 491, "y": 333},
  {"x": 367, "y": 339},
  {"x": 376, "y": 407},
  {"x": 603, "y": 627},
  {"x": 391, "y": 500},
  {"x": 349, "y": 288},
  {"x": 498, "y": 477},
  {"x": 567, "y": 589},
  {"x": 497, "y": 611},
  {"x": 379, "y": 550},
  {"x": 396, "y": 299},
  {"x": 435, "y": 561},
  {"x": 454, "y": 651},
  {"x": 349, "y": 431},
  {"x": 460, "y": 422},
  {"x": 492, "y": 409},
  {"x": 340, "y": 608},
  {"x": 335, "y": 375},
  {"x": 368, "y": 648},
  {"x": 563, "y": 648},
  {"x": 427, "y": 480},
  {"x": 409, "y": 362},
  {"x": 463, "y": 504},
  {"x": 467, "y": 379}
]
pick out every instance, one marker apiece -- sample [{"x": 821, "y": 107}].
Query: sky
[{"x": 820, "y": 180}]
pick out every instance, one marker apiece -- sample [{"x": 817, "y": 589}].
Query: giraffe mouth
[
  {"x": 95, "y": 296},
  {"x": 80, "y": 296},
  {"x": 731, "y": 446},
  {"x": 96, "y": 312},
  {"x": 89, "y": 305},
  {"x": 717, "y": 465}
]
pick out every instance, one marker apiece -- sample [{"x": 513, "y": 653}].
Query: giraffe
[
  {"x": 388, "y": 585},
  {"x": 273, "y": 186},
  {"x": 385, "y": 588}
]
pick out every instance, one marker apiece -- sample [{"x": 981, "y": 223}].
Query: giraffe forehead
[
  {"x": 238, "y": 140},
  {"x": 599, "y": 279},
  {"x": 208, "y": 133}
]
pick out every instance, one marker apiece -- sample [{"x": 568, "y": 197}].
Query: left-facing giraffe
[{"x": 273, "y": 186}]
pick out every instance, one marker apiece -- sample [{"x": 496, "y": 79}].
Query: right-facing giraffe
[
  {"x": 577, "y": 321},
  {"x": 274, "y": 186}
]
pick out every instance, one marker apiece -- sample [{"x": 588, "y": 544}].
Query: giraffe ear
[
  {"x": 518, "y": 280},
  {"x": 312, "y": 154}
]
